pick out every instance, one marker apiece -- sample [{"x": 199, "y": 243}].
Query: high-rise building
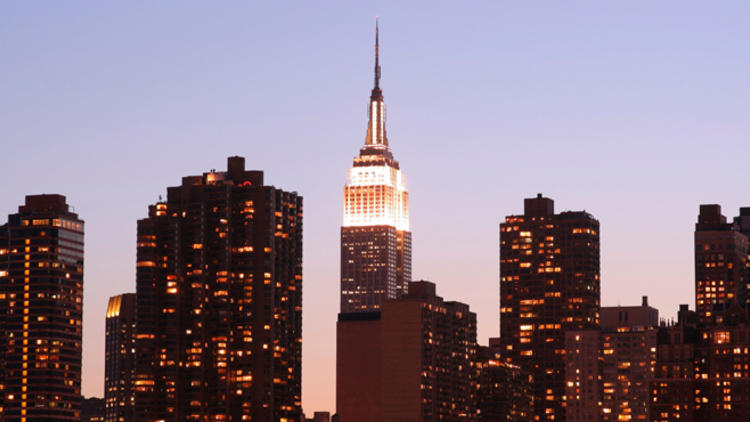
[
  {"x": 375, "y": 236},
  {"x": 41, "y": 291},
  {"x": 673, "y": 395},
  {"x": 721, "y": 252},
  {"x": 3, "y": 313},
  {"x": 723, "y": 372},
  {"x": 702, "y": 370},
  {"x": 608, "y": 371},
  {"x": 583, "y": 373},
  {"x": 503, "y": 390},
  {"x": 411, "y": 361},
  {"x": 92, "y": 409},
  {"x": 119, "y": 363},
  {"x": 628, "y": 354},
  {"x": 219, "y": 301},
  {"x": 549, "y": 284},
  {"x": 742, "y": 222}
]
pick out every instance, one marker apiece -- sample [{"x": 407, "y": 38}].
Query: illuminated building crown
[{"x": 376, "y": 193}]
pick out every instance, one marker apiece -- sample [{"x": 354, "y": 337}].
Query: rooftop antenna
[{"x": 377, "y": 54}]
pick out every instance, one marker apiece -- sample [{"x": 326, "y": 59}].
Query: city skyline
[{"x": 626, "y": 149}]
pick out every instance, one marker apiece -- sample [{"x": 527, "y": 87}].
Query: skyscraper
[
  {"x": 549, "y": 284},
  {"x": 41, "y": 290},
  {"x": 219, "y": 301},
  {"x": 720, "y": 257},
  {"x": 119, "y": 364},
  {"x": 375, "y": 236}
]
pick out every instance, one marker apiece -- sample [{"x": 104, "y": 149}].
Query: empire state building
[{"x": 375, "y": 236}]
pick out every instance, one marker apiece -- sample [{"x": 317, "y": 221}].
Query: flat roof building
[
  {"x": 721, "y": 252},
  {"x": 503, "y": 390},
  {"x": 549, "y": 284},
  {"x": 41, "y": 294},
  {"x": 119, "y": 361},
  {"x": 219, "y": 301},
  {"x": 628, "y": 356},
  {"x": 420, "y": 353}
]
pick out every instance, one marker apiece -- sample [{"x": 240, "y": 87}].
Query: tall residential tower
[
  {"x": 375, "y": 236},
  {"x": 41, "y": 291},
  {"x": 549, "y": 284},
  {"x": 119, "y": 364},
  {"x": 219, "y": 301},
  {"x": 720, "y": 264}
]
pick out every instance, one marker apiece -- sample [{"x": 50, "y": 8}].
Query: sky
[{"x": 636, "y": 112}]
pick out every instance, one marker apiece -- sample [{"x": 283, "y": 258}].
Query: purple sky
[{"x": 634, "y": 111}]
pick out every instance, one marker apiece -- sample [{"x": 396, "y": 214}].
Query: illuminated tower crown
[
  {"x": 376, "y": 193},
  {"x": 375, "y": 237}
]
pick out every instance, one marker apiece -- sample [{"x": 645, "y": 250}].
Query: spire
[
  {"x": 376, "y": 127},
  {"x": 377, "y": 54}
]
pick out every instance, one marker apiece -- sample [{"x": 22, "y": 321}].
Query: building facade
[
  {"x": 375, "y": 235},
  {"x": 609, "y": 371},
  {"x": 92, "y": 409},
  {"x": 721, "y": 253},
  {"x": 420, "y": 356},
  {"x": 320, "y": 417},
  {"x": 723, "y": 373},
  {"x": 672, "y": 395},
  {"x": 583, "y": 376},
  {"x": 219, "y": 301},
  {"x": 628, "y": 355},
  {"x": 41, "y": 292},
  {"x": 549, "y": 284},
  {"x": 702, "y": 370},
  {"x": 503, "y": 390},
  {"x": 119, "y": 360},
  {"x": 358, "y": 366},
  {"x": 742, "y": 223}
]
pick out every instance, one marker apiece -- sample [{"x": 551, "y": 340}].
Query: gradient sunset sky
[{"x": 635, "y": 111}]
